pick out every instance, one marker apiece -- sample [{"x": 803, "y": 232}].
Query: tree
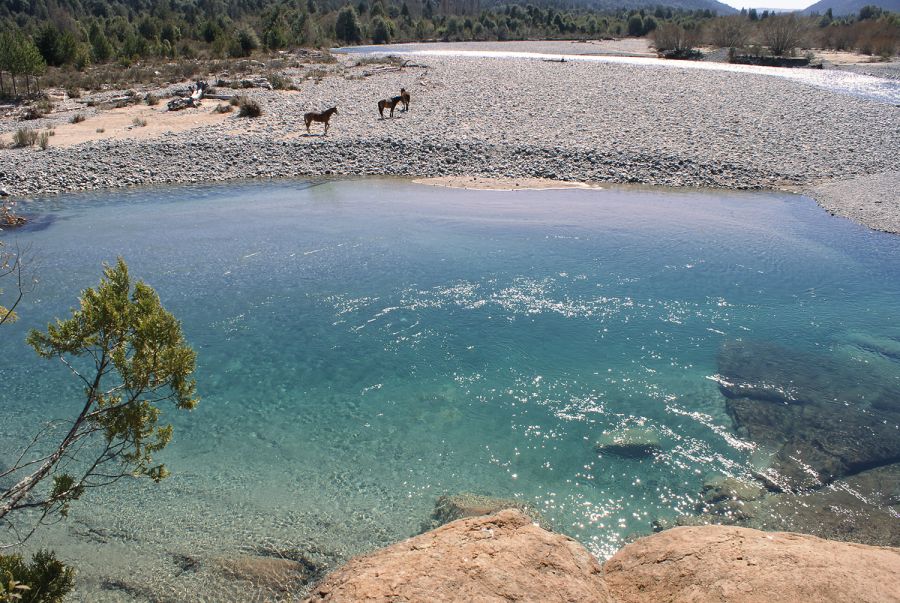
[
  {"x": 635, "y": 25},
  {"x": 382, "y": 30},
  {"x": 347, "y": 28},
  {"x": 19, "y": 56},
  {"x": 782, "y": 34},
  {"x": 131, "y": 356},
  {"x": 729, "y": 32},
  {"x": 675, "y": 38}
]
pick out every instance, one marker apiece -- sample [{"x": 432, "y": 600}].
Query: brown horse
[
  {"x": 389, "y": 104},
  {"x": 404, "y": 98},
  {"x": 322, "y": 117}
]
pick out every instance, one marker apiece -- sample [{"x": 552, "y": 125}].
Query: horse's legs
[
  {"x": 381, "y": 110},
  {"x": 307, "y": 125},
  {"x": 326, "y": 127}
]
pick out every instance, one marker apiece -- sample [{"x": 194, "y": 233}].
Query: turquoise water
[{"x": 366, "y": 346}]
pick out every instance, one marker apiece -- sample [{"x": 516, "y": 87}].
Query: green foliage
[
  {"x": 19, "y": 56},
  {"x": 347, "y": 27},
  {"x": 247, "y": 42},
  {"x": 635, "y": 25},
  {"x": 57, "y": 47},
  {"x": 44, "y": 580},
  {"x": 24, "y": 137},
  {"x": 382, "y": 30},
  {"x": 139, "y": 359}
]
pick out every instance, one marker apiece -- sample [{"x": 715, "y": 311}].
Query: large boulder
[
  {"x": 498, "y": 558},
  {"x": 716, "y": 563}
]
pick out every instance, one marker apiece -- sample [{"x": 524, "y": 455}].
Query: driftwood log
[{"x": 193, "y": 100}]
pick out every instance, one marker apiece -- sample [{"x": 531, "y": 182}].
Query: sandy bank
[{"x": 500, "y": 184}]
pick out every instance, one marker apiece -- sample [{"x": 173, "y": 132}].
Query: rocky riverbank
[{"x": 493, "y": 118}]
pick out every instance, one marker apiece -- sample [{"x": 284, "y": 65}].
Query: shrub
[
  {"x": 24, "y": 137},
  {"x": 249, "y": 108},
  {"x": 77, "y": 118},
  {"x": 38, "y": 110},
  {"x": 220, "y": 108},
  {"x": 151, "y": 99},
  {"x": 100, "y": 130},
  {"x": 234, "y": 101},
  {"x": 278, "y": 81},
  {"x": 73, "y": 92},
  {"x": 48, "y": 579},
  {"x": 43, "y": 140},
  {"x": 782, "y": 34},
  {"x": 729, "y": 32},
  {"x": 139, "y": 122},
  {"x": 672, "y": 37}
]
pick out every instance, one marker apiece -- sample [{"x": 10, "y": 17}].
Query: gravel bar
[{"x": 515, "y": 118}]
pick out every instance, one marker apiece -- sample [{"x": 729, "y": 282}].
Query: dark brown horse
[
  {"x": 404, "y": 98},
  {"x": 389, "y": 104},
  {"x": 322, "y": 117}
]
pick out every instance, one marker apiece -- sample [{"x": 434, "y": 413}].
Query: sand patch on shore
[
  {"x": 118, "y": 124},
  {"x": 501, "y": 184},
  {"x": 843, "y": 57},
  {"x": 871, "y": 200}
]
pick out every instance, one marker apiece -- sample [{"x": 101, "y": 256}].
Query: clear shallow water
[
  {"x": 865, "y": 86},
  {"x": 366, "y": 346}
]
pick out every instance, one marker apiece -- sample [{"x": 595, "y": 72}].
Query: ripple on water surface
[{"x": 366, "y": 346}]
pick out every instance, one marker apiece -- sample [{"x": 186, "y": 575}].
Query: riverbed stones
[{"x": 630, "y": 442}]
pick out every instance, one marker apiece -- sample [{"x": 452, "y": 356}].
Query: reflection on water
[
  {"x": 367, "y": 346},
  {"x": 865, "y": 86}
]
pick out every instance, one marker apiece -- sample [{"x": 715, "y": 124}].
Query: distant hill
[
  {"x": 613, "y": 5},
  {"x": 849, "y": 7}
]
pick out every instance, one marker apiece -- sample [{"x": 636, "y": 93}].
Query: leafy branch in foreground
[{"x": 131, "y": 356}]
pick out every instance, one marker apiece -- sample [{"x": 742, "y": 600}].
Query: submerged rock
[
  {"x": 450, "y": 508},
  {"x": 822, "y": 419},
  {"x": 719, "y": 488},
  {"x": 269, "y": 573},
  {"x": 862, "y": 508},
  {"x": 629, "y": 442},
  {"x": 737, "y": 565},
  {"x": 502, "y": 557}
]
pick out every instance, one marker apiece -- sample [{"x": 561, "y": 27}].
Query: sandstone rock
[
  {"x": 450, "y": 508},
  {"x": 498, "y": 558},
  {"x": 628, "y": 442},
  {"x": 737, "y": 565}
]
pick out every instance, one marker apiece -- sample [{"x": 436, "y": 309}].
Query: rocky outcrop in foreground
[
  {"x": 716, "y": 563},
  {"x": 502, "y": 557},
  {"x": 505, "y": 557}
]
